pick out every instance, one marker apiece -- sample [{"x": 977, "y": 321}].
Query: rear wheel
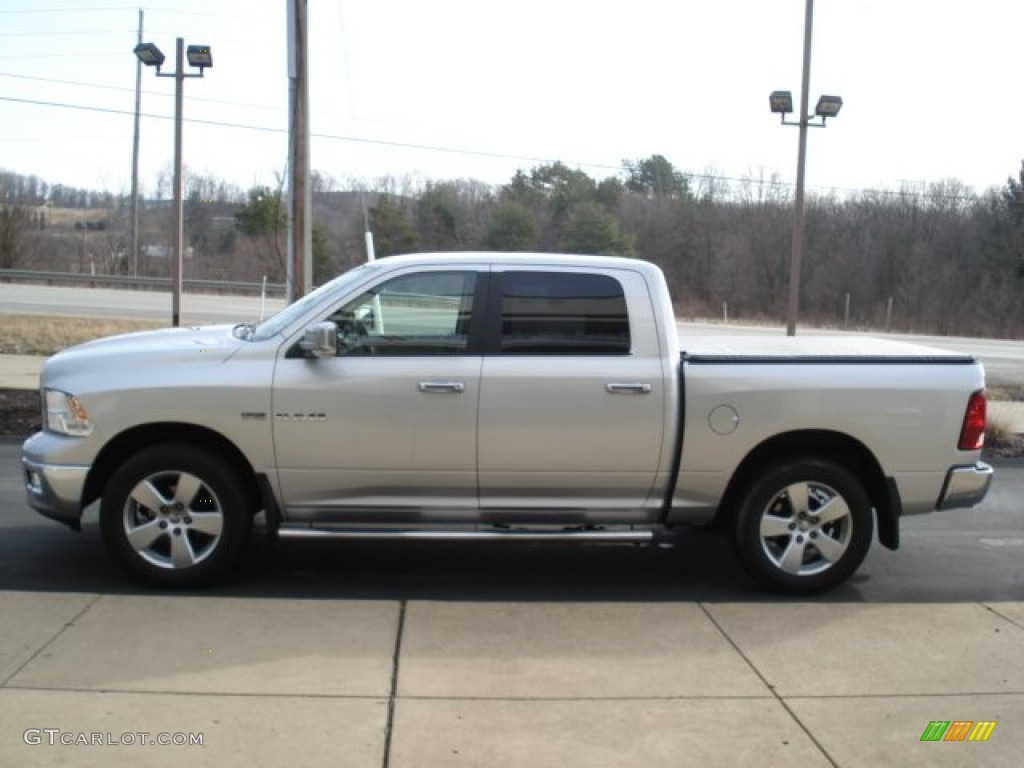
[
  {"x": 803, "y": 526},
  {"x": 176, "y": 515}
]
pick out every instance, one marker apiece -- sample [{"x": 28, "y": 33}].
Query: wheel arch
[
  {"x": 132, "y": 440},
  {"x": 821, "y": 444}
]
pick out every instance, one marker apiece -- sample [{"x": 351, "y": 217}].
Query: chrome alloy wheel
[
  {"x": 806, "y": 528},
  {"x": 173, "y": 520}
]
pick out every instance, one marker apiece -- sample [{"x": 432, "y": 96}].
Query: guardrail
[{"x": 234, "y": 287}]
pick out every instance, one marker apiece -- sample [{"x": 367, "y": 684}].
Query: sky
[{"x": 478, "y": 89}]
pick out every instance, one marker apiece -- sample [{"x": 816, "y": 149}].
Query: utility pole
[
  {"x": 135, "y": 160},
  {"x": 300, "y": 219}
]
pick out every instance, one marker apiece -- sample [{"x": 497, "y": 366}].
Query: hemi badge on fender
[{"x": 253, "y": 416}]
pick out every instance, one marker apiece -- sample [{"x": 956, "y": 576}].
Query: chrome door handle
[
  {"x": 627, "y": 388},
  {"x": 442, "y": 387}
]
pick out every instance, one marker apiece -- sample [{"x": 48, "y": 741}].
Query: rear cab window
[{"x": 562, "y": 313}]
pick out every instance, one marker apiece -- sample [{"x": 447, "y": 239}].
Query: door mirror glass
[{"x": 320, "y": 340}]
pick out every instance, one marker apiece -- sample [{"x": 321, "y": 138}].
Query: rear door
[{"x": 572, "y": 404}]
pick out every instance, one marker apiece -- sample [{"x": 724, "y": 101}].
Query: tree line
[{"x": 936, "y": 258}]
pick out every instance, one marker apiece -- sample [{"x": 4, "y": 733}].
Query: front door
[{"x": 386, "y": 429}]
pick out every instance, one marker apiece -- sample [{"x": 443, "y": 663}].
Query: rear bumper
[{"x": 965, "y": 486}]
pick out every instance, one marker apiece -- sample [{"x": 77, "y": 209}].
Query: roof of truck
[{"x": 524, "y": 259}]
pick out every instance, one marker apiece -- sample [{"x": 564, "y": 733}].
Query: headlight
[{"x": 65, "y": 414}]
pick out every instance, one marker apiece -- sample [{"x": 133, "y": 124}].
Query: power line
[
  {"x": 122, "y": 89},
  {"x": 133, "y": 6},
  {"x": 55, "y": 55},
  {"x": 76, "y": 9},
  {"x": 198, "y": 99},
  {"x": 76, "y": 32},
  {"x": 467, "y": 152},
  {"x": 162, "y": 94},
  {"x": 268, "y": 129}
]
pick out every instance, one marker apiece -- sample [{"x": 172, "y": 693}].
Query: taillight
[{"x": 972, "y": 434}]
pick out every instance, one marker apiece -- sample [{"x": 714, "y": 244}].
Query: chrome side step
[{"x": 487, "y": 534}]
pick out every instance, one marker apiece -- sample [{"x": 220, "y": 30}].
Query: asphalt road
[
  {"x": 960, "y": 555},
  {"x": 18, "y": 298},
  {"x": 1003, "y": 360}
]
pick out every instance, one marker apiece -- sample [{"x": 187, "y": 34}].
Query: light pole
[
  {"x": 135, "y": 160},
  {"x": 782, "y": 104},
  {"x": 198, "y": 56}
]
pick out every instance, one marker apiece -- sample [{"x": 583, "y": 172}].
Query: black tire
[
  {"x": 803, "y": 526},
  {"x": 170, "y": 534}
]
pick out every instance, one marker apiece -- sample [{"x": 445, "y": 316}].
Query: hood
[{"x": 210, "y": 345}]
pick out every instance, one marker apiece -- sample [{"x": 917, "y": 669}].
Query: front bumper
[
  {"x": 965, "y": 486},
  {"x": 55, "y": 490}
]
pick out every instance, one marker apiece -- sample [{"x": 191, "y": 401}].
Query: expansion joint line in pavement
[
  {"x": 393, "y": 695},
  {"x": 991, "y": 609},
  {"x": 769, "y": 686},
  {"x": 51, "y": 641}
]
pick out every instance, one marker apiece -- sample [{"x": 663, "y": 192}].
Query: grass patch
[
  {"x": 1009, "y": 393},
  {"x": 997, "y": 431},
  {"x": 47, "y": 335},
  {"x": 1000, "y": 441}
]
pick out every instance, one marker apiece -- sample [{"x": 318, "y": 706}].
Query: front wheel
[
  {"x": 803, "y": 526},
  {"x": 175, "y": 515}
]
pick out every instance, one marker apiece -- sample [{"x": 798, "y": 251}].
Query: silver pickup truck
[{"x": 482, "y": 396}]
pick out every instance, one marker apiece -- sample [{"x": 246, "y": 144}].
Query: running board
[{"x": 490, "y": 534}]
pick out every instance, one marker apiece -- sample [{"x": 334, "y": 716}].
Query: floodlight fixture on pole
[
  {"x": 198, "y": 56},
  {"x": 781, "y": 103},
  {"x": 149, "y": 55},
  {"x": 828, "y": 106}
]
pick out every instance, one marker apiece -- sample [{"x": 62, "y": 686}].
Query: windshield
[{"x": 290, "y": 314}]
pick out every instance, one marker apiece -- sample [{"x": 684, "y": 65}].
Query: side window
[
  {"x": 563, "y": 313},
  {"x": 421, "y": 314}
]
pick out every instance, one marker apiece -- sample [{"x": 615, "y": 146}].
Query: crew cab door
[
  {"x": 386, "y": 429},
  {"x": 572, "y": 403}
]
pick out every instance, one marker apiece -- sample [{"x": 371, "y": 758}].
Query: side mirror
[{"x": 320, "y": 340}]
